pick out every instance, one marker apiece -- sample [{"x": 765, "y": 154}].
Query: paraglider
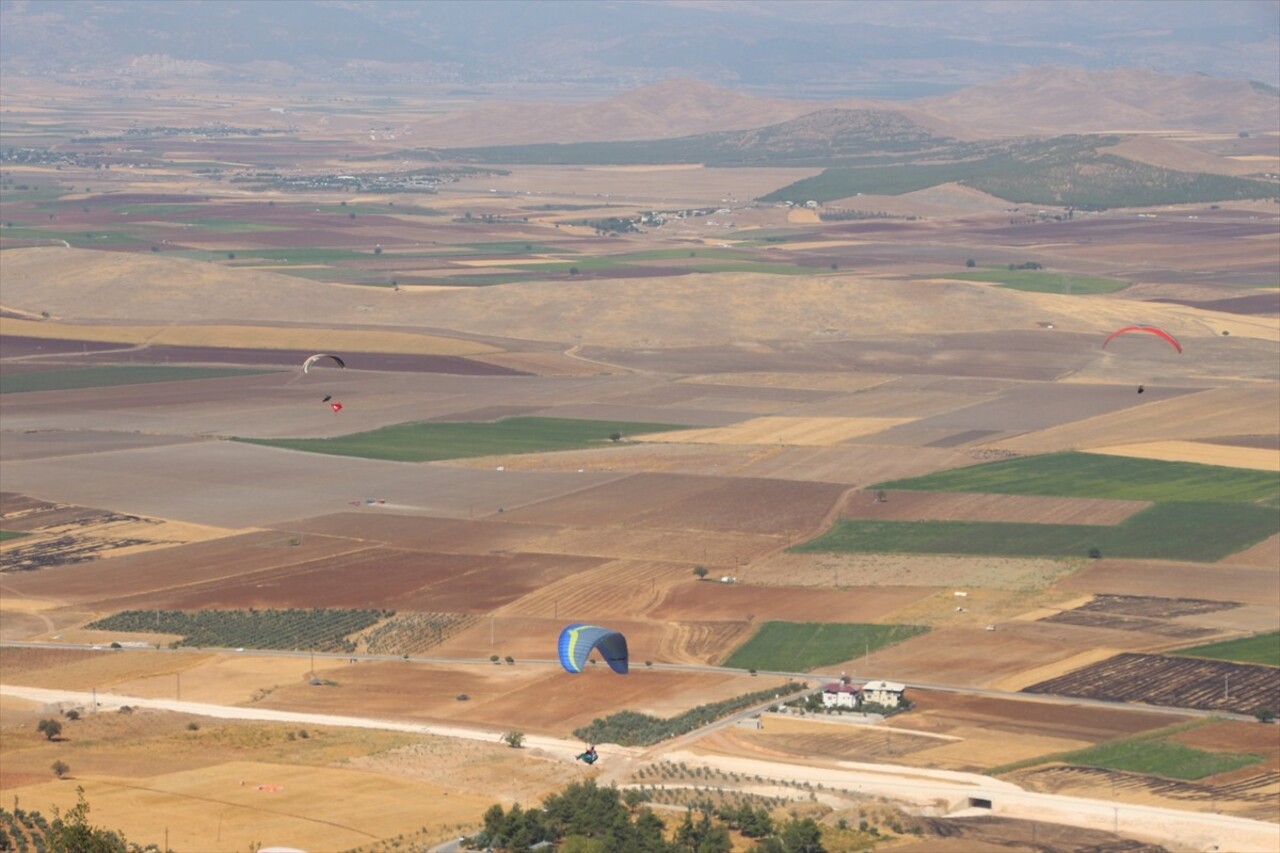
[
  {"x": 337, "y": 407},
  {"x": 578, "y": 640},
  {"x": 306, "y": 365},
  {"x": 1153, "y": 330},
  {"x": 589, "y": 756}
]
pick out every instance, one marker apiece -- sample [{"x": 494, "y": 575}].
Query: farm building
[
  {"x": 887, "y": 693},
  {"x": 839, "y": 694}
]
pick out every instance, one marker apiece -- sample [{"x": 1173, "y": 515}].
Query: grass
[
  {"x": 6, "y": 535},
  {"x": 1158, "y": 758},
  {"x": 1091, "y": 475},
  {"x": 1260, "y": 648},
  {"x": 425, "y": 442},
  {"x": 1198, "y": 532},
  {"x": 801, "y": 646},
  {"x": 1039, "y": 281},
  {"x": 101, "y": 377}
]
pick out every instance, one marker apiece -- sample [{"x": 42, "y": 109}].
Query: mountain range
[{"x": 800, "y": 48}]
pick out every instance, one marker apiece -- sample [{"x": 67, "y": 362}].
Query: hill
[
  {"x": 678, "y": 106},
  {"x": 1072, "y": 100},
  {"x": 82, "y": 286}
]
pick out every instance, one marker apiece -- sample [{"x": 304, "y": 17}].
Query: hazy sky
[{"x": 760, "y": 44}]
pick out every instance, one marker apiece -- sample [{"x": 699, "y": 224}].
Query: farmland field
[
  {"x": 1039, "y": 281},
  {"x": 1181, "y": 682},
  {"x": 100, "y": 377},
  {"x": 1190, "y": 531},
  {"x": 799, "y": 647},
  {"x": 1142, "y": 755},
  {"x": 762, "y": 367},
  {"x": 424, "y": 442},
  {"x": 1088, "y": 475},
  {"x": 1260, "y": 648}
]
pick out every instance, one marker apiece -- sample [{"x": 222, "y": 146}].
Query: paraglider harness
[{"x": 589, "y": 756}]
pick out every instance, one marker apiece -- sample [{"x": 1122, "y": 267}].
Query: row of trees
[{"x": 631, "y": 728}]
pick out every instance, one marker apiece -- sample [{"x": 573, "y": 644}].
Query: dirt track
[{"x": 900, "y": 783}]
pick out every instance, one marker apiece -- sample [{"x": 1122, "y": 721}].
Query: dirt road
[{"x": 963, "y": 793}]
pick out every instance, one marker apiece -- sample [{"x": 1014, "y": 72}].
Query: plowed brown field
[
  {"x": 1221, "y": 582},
  {"x": 703, "y": 600},
  {"x": 1181, "y": 682}
]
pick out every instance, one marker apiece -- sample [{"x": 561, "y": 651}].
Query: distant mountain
[
  {"x": 1071, "y": 100},
  {"x": 800, "y": 48},
  {"x": 1044, "y": 102},
  {"x": 822, "y": 137}
]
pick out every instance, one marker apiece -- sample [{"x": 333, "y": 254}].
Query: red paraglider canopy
[
  {"x": 337, "y": 407},
  {"x": 1160, "y": 333}
]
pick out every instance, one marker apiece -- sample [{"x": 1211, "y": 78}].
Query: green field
[
  {"x": 426, "y": 442},
  {"x": 801, "y": 646},
  {"x": 1171, "y": 760},
  {"x": 1260, "y": 648},
  {"x": 1065, "y": 171},
  {"x": 6, "y": 535},
  {"x": 1091, "y": 475},
  {"x": 1039, "y": 281},
  {"x": 1200, "y": 513},
  {"x": 101, "y": 377},
  {"x": 1199, "y": 532}
]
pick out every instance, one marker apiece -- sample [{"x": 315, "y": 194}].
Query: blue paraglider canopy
[{"x": 577, "y": 641}]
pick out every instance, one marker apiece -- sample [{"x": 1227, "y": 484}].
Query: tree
[
  {"x": 50, "y": 729},
  {"x": 881, "y": 497},
  {"x": 72, "y": 715},
  {"x": 1265, "y": 715},
  {"x": 72, "y": 831},
  {"x": 513, "y": 739},
  {"x": 700, "y": 571},
  {"x": 802, "y": 836},
  {"x": 377, "y": 249},
  {"x": 615, "y": 436},
  {"x": 573, "y": 270},
  {"x": 60, "y": 768},
  {"x": 970, "y": 263}
]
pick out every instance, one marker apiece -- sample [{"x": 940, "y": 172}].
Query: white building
[
  {"x": 838, "y": 694},
  {"x": 887, "y": 693}
]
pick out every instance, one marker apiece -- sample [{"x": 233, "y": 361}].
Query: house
[
  {"x": 887, "y": 693},
  {"x": 839, "y": 694}
]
